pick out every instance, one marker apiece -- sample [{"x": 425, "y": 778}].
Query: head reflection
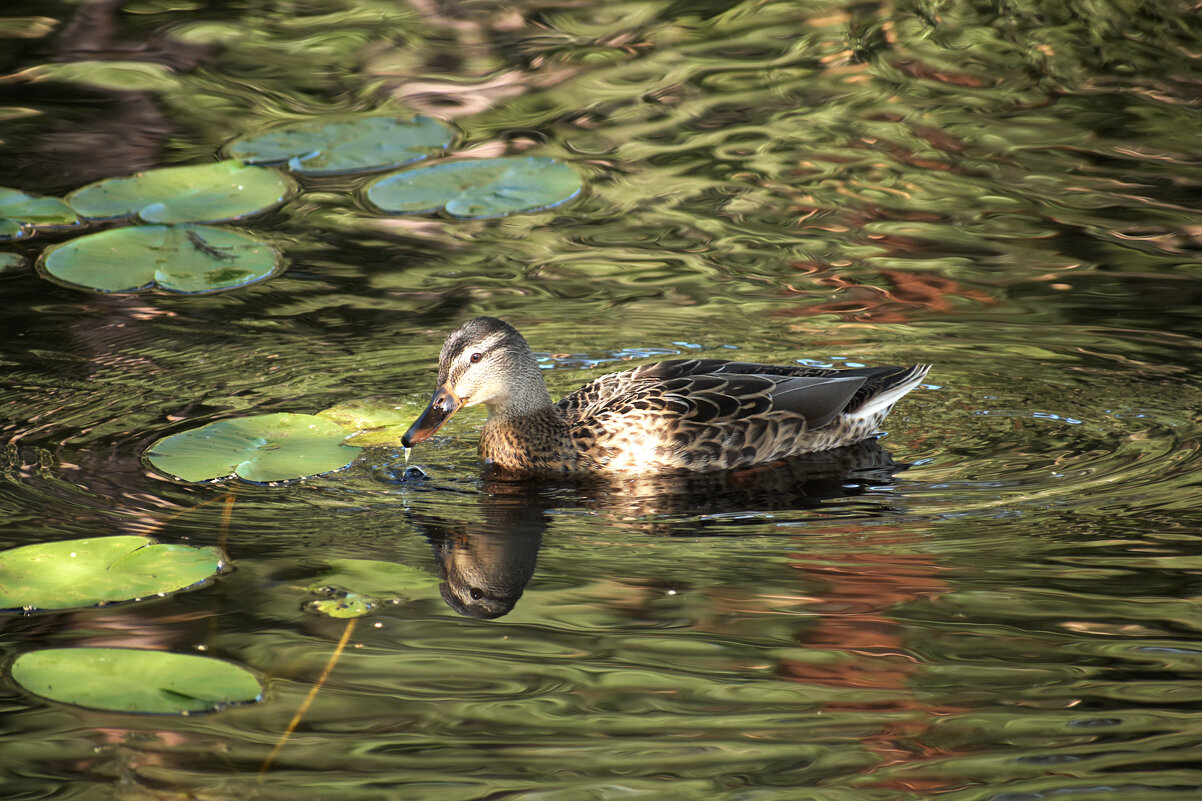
[{"x": 484, "y": 572}]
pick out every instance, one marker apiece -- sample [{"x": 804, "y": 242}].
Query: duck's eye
[
  {"x": 475, "y": 357},
  {"x": 475, "y": 593}
]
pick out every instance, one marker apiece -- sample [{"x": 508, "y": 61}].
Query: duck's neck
[{"x": 537, "y": 441}]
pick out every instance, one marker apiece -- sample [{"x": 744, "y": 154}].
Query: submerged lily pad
[
  {"x": 190, "y": 259},
  {"x": 80, "y": 573},
  {"x": 337, "y": 147},
  {"x": 133, "y": 680},
  {"x": 477, "y": 188},
  {"x": 225, "y": 190},
  {"x": 20, "y": 212},
  {"x": 354, "y": 587},
  {"x": 262, "y": 448}
]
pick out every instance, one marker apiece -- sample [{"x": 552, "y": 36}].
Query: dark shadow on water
[{"x": 486, "y": 565}]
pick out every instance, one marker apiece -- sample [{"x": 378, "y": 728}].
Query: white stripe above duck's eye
[{"x": 483, "y": 346}]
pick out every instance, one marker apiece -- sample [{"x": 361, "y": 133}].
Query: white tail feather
[{"x": 879, "y": 404}]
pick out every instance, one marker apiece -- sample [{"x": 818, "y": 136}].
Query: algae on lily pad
[
  {"x": 341, "y": 146},
  {"x": 189, "y": 259},
  {"x": 377, "y": 422},
  {"x": 477, "y": 188},
  {"x": 80, "y": 573},
  {"x": 134, "y": 680},
  {"x": 20, "y": 212},
  {"x": 354, "y": 587},
  {"x": 218, "y": 192},
  {"x": 260, "y": 448}
]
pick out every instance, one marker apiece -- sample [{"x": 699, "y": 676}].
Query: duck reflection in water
[{"x": 485, "y": 566}]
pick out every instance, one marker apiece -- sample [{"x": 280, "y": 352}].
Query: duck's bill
[{"x": 444, "y": 404}]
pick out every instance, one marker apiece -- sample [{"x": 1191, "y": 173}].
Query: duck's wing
[
  {"x": 613, "y": 385},
  {"x": 704, "y": 413}
]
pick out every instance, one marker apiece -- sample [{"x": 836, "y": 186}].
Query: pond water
[{"x": 1001, "y": 599}]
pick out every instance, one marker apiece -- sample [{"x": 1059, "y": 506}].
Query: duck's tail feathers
[{"x": 890, "y": 390}]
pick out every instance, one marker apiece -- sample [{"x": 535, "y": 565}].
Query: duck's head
[{"x": 486, "y": 361}]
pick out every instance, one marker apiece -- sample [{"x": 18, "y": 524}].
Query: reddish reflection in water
[{"x": 858, "y": 592}]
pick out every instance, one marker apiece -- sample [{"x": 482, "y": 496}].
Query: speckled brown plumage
[{"x": 687, "y": 414}]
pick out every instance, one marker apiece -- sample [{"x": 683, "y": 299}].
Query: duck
[{"x": 682, "y": 415}]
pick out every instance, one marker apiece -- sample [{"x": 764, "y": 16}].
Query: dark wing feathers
[
  {"x": 818, "y": 400},
  {"x": 816, "y": 393},
  {"x": 713, "y": 413}
]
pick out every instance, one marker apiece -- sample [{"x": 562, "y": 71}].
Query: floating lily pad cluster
[
  {"x": 173, "y": 254},
  {"x": 77, "y": 574},
  {"x": 167, "y": 249}
]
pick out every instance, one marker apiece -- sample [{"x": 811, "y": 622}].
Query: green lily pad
[
  {"x": 477, "y": 188},
  {"x": 190, "y": 259},
  {"x": 129, "y": 76},
  {"x": 355, "y": 587},
  {"x": 338, "y": 147},
  {"x": 26, "y": 27},
  {"x": 20, "y": 212},
  {"x": 133, "y": 680},
  {"x": 262, "y": 448},
  {"x": 9, "y": 261},
  {"x": 81, "y": 573},
  {"x": 225, "y": 190}
]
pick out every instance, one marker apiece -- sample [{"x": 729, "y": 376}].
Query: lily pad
[
  {"x": 262, "y": 448},
  {"x": 20, "y": 212},
  {"x": 9, "y": 261},
  {"x": 378, "y": 422},
  {"x": 133, "y": 680},
  {"x": 355, "y": 587},
  {"x": 338, "y": 147},
  {"x": 225, "y": 190},
  {"x": 190, "y": 259},
  {"x": 80, "y": 573},
  {"x": 477, "y": 188},
  {"x": 128, "y": 76}
]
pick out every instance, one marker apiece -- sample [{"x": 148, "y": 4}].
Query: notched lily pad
[
  {"x": 342, "y": 146},
  {"x": 219, "y": 192},
  {"x": 189, "y": 259},
  {"x": 20, "y": 213},
  {"x": 262, "y": 448},
  {"x": 355, "y": 587},
  {"x": 132, "y": 680},
  {"x": 477, "y": 188},
  {"x": 81, "y": 573}
]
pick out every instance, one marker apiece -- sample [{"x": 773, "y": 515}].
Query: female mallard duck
[{"x": 686, "y": 414}]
